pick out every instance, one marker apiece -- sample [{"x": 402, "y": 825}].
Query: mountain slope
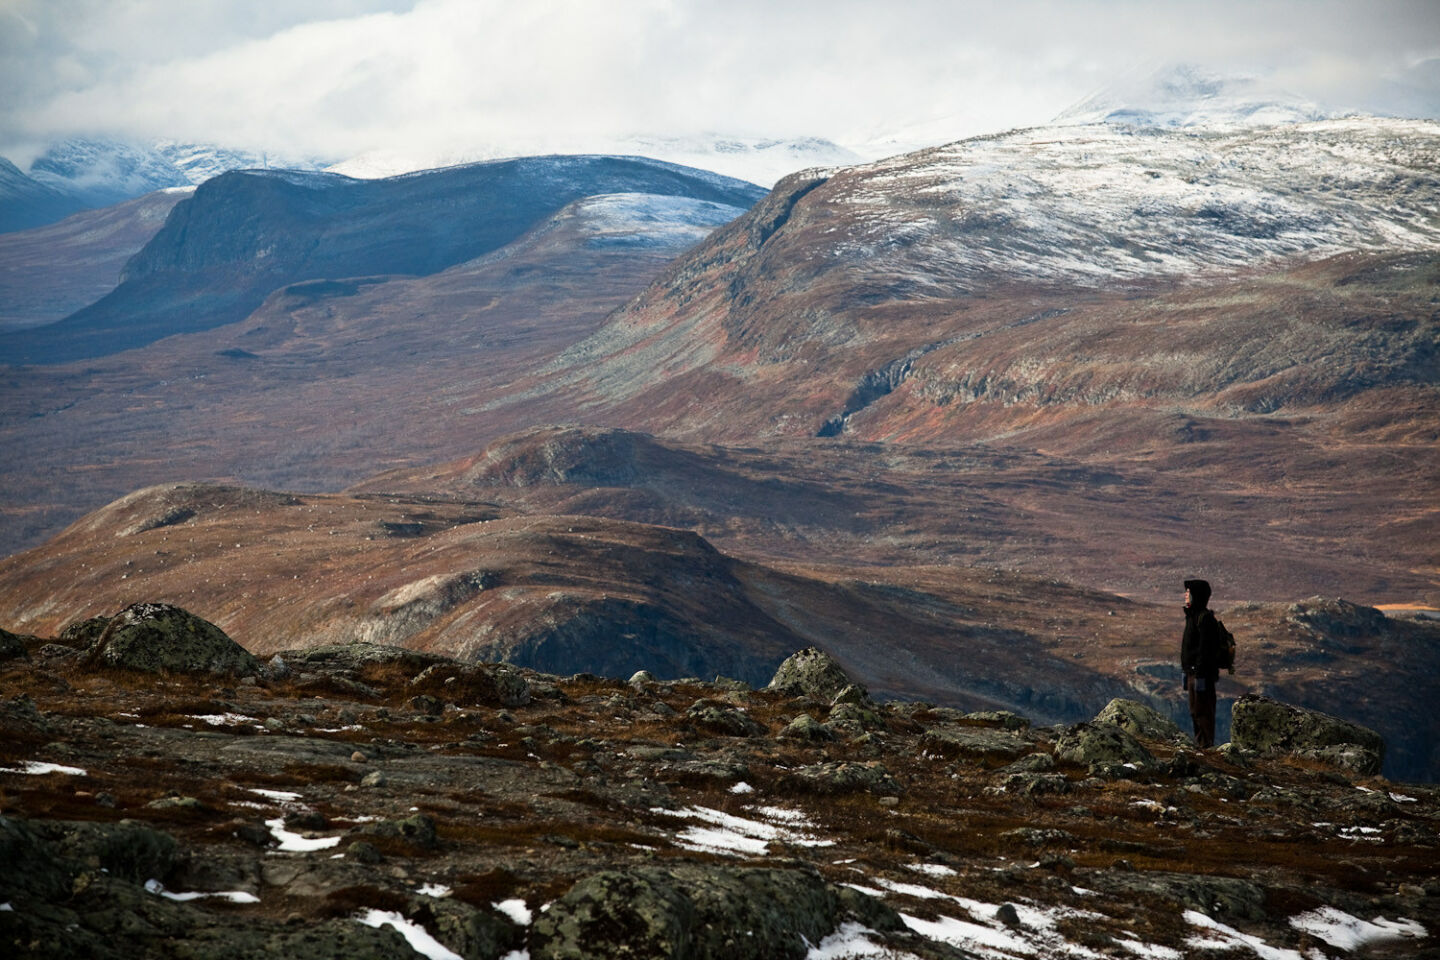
[
  {"x": 49, "y": 272},
  {"x": 26, "y": 202},
  {"x": 245, "y": 234},
  {"x": 329, "y": 381}
]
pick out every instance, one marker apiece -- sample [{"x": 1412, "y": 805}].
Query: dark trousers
[{"x": 1202, "y": 711}]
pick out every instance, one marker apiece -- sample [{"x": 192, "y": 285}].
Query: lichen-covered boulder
[
  {"x": 1104, "y": 748},
  {"x": 715, "y": 717},
  {"x": 496, "y": 685},
  {"x": 984, "y": 745},
  {"x": 1268, "y": 726},
  {"x": 1140, "y": 721},
  {"x": 699, "y": 913},
  {"x": 843, "y": 776},
  {"x": 807, "y": 728},
  {"x": 812, "y": 673},
  {"x": 158, "y": 637}
]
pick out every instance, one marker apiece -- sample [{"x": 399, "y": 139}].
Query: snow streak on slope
[{"x": 1095, "y": 204}]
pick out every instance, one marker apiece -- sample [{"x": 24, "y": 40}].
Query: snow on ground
[
  {"x": 417, "y": 936},
  {"x": 294, "y": 842},
  {"x": 651, "y": 220},
  {"x": 283, "y": 796},
  {"x": 40, "y": 768},
  {"x": 730, "y": 835},
  {"x": 1096, "y": 203},
  {"x": 1340, "y": 929},
  {"x": 232, "y": 896}
]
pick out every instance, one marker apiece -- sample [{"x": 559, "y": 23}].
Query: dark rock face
[
  {"x": 811, "y": 673},
  {"x": 245, "y": 234},
  {"x": 686, "y": 913},
  {"x": 11, "y": 645},
  {"x": 1267, "y": 726},
  {"x": 158, "y": 637}
]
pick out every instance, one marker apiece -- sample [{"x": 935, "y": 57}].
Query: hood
[{"x": 1199, "y": 593}]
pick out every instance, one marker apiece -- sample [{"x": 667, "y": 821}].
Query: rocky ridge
[{"x": 378, "y": 801}]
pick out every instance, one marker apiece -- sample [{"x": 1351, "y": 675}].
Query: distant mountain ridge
[{"x": 245, "y": 234}]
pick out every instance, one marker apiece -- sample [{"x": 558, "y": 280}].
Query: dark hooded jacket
[{"x": 1200, "y": 645}]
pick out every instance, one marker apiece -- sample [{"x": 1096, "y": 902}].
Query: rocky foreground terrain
[{"x": 164, "y": 793}]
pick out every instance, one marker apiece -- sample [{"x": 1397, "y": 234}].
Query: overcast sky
[{"x": 335, "y": 78}]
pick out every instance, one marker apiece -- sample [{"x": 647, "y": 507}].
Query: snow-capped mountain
[
  {"x": 1188, "y": 95},
  {"x": 755, "y": 160},
  {"x": 1100, "y": 203}
]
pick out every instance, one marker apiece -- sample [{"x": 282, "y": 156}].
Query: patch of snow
[
  {"x": 224, "y": 719},
  {"x": 1221, "y": 937},
  {"x": 284, "y": 796},
  {"x": 738, "y": 836},
  {"x": 233, "y": 896},
  {"x": 1340, "y": 929},
  {"x": 1150, "y": 951},
  {"x": 933, "y": 869},
  {"x": 516, "y": 911},
  {"x": 742, "y": 787},
  {"x": 417, "y": 936},
  {"x": 983, "y": 940},
  {"x": 1401, "y": 798},
  {"x": 294, "y": 842},
  {"x": 7, "y": 908},
  {"x": 851, "y": 941},
  {"x": 437, "y": 890},
  {"x": 40, "y": 768}
]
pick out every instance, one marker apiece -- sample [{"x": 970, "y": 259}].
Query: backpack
[{"x": 1225, "y": 656}]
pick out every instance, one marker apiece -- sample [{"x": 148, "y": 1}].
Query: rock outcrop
[
  {"x": 1268, "y": 726},
  {"x": 811, "y": 673},
  {"x": 158, "y": 637},
  {"x": 693, "y": 913},
  {"x": 1139, "y": 720}
]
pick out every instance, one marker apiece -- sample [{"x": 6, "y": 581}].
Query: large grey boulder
[
  {"x": 1104, "y": 748},
  {"x": 700, "y": 913},
  {"x": 158, "y": 637},
  {"x": 1140, "y": 721},
  {"x": 1268, "y": 726},
  {"x": 812, "y": 673}
]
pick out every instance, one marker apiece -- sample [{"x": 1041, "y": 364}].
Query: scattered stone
[
  {"x": 1008, "y": 915},
  {"x": 853, "y": 694},
  {"x": 811, "y": 673},
  {"x": 641, "y": 678},
  {"x": 374, "y": 778},
  {"x": 363, "y": 852},
  {"x": 1141, "y": 721},
  {"x": 358, "y": 757},
  {"x": 84, "y": 633},
  {"x": 1003, "y": 719},
  {"x": 975, "y": 743},
  {"x": 418, "y": 829},
  {"x": 1031, "y": 763},
  {"x": 714, "y": 717},
  {"x": 842, "y": 776},
  {"x": 158, "y": 637},
  {"x": 1267, "y": 726},
  {"x": 428, "y": 705},
  {"x": 807, "y": 729}
]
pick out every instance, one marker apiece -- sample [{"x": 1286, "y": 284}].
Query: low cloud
[{"x": 473, "y": 78}]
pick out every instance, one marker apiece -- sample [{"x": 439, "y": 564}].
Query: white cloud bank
[{"x": 466, "y": 78}]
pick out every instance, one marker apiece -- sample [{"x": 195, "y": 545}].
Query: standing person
[{"x": 1200, "y": 660}]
